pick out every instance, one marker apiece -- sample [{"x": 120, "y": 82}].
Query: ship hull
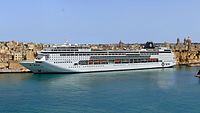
[{"x": 46, "y": 67}]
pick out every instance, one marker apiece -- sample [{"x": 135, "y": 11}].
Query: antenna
[{"x": 66, "y": 43}]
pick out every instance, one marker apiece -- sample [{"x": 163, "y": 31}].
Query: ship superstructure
[{"x": 75, "y": 58}]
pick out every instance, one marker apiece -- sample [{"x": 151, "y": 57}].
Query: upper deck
[
  {"x": 65, "y": 48},
  {"x": 86, "y": 49}
]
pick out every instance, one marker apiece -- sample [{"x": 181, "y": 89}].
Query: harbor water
[{"x": 169, "y": 90}]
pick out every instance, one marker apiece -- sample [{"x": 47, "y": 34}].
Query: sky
[{"x": 99, "y": 21}]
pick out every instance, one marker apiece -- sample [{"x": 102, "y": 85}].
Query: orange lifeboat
[
  {"x": 152, "y": 59},
  {"x": 91, "y": 61},
  {"x": 96, "y": 61},
  {"x": 117, "y": 60},
  {"x": 103, "y": 61}
]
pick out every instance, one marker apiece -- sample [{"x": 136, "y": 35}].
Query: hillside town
[{"x": 12, "y": 52}]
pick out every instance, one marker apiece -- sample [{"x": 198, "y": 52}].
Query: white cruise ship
[{"x": 76, "y": 59}]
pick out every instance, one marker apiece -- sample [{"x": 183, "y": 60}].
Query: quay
[{"x": 14, "y": 71}]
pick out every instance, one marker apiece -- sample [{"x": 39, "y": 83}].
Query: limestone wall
[{"x": 187, "y": 57}]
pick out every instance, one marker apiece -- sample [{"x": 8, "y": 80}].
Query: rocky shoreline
[{"x": 187, "y": 53}]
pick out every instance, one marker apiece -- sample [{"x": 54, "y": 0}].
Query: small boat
[{"x": 198, "y": 74}]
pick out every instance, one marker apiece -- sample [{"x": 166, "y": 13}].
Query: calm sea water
[{"x": 170, "y": 90}]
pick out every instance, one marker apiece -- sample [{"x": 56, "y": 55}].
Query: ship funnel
[{"x": 149, "y": 45}]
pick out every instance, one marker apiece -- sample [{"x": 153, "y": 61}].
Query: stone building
[
  {"x": 30, "y": 55},
  {"x": 120, "y": 45},
  {"x": 18, "y": 57},
  {"x": 177, "y": 41},
  {"x": 189, "y": 43}
]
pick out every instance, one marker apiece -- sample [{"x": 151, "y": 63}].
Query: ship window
[{"x": 63, "y": 54}]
